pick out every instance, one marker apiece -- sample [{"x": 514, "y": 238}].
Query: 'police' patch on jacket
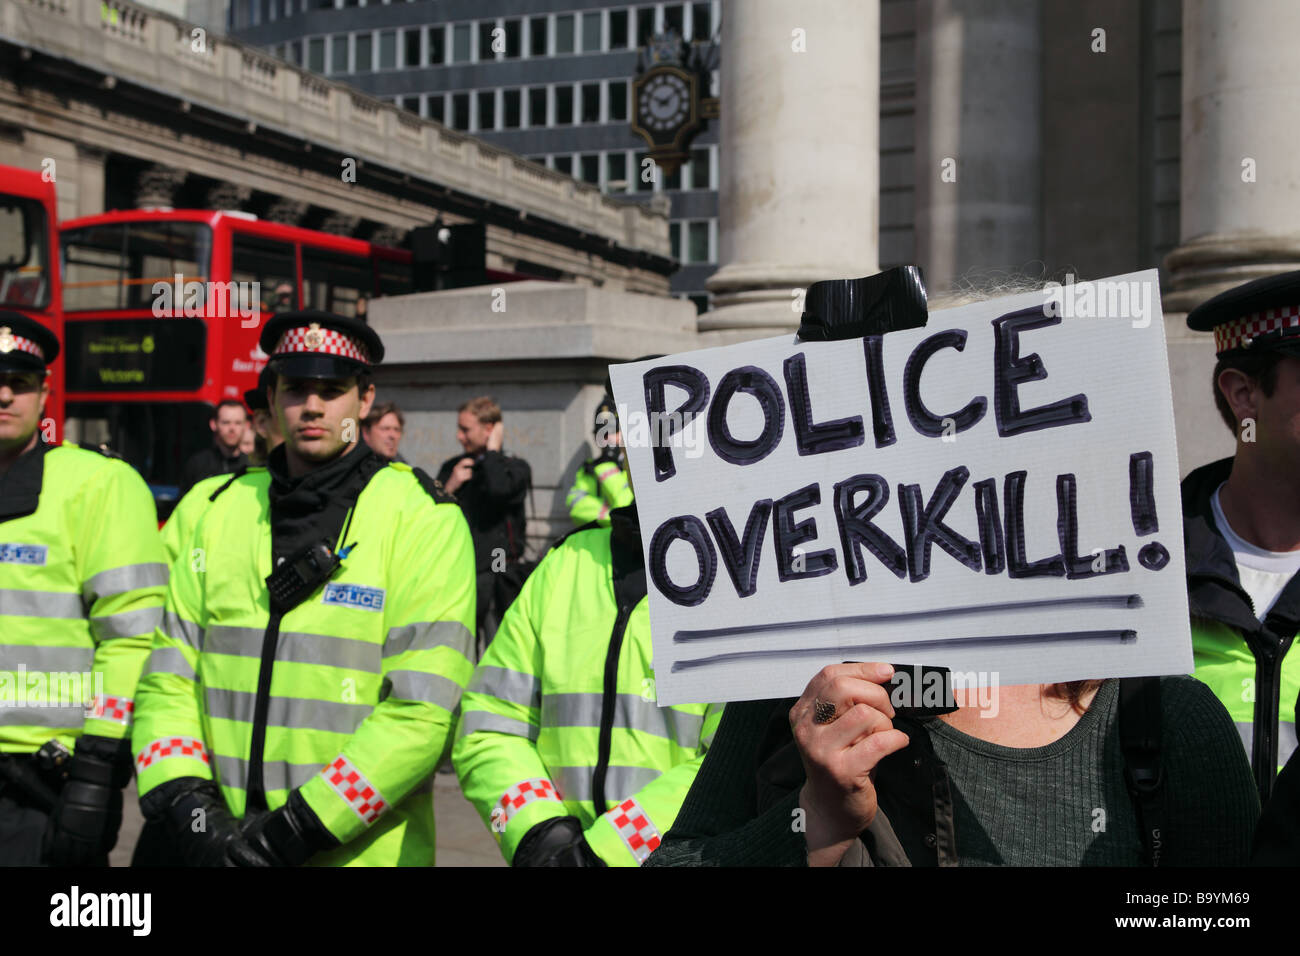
[
  {"x": 354, "y": 595},
  {"x": 22, "y": 553}
]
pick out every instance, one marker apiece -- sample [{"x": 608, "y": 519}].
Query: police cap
[
  {"x": 25, "y": 344},
  {"x": 315, "y": 344},
  {"x": 1263, "y": 315}
]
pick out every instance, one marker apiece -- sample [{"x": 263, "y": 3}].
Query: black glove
[
  {"x": 558, "y": 841},
  {"x": 84, "y": 823},
  {"x": 202, "y": 829},
  {"x": 289, "y": 836}
]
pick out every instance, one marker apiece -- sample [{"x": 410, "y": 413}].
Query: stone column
[
  {"x": 978, "y": 134},
  {"x": 157, "y": 185},
  {"x": 1240, "y": 158},
  {"x": 799, "y": 186}
]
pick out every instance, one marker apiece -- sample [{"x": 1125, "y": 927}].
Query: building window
[
  {"x": 618, "y": 30},
  {"x": 673, "y": 180},
  {"x": 411, "y": 104},
  {"x": 316, "y": 54},
  {"x": 510, "y": 109},
  {"x": 589, "y": 164},
  {"x": 437, "y": 45},
  {"x": 564, "y": 164},
  {"x": 616, "y": 172},
  {"x": 617, "y": 101},
  {"x": 514, "y": 38},
  {"x": 388, "y": 50},
  {"x": 675, "y": 237},
  {"x": 591, "y": 32},
  {"x": 412, "y": 44},
  {"x": 487, "y": 40},
  {"x": 675, "y": 18},
  {"x": 697, "y": 241},
  {"x": 339, "y": 53},
  {"x": 460, "y": 43},
  {"x": 460, "y": 111},
  {"x": 702, "y": 21},
  {"x": 564, "y": 33},
  {"x": 591, "y": 102},
  {"x": 563, "y": 105},
  {"x": 701, "y": 300},
  {"x": 645, "y": 24},
  {"x": 437, "y": 111},
  {"x": 645, "y": 173},
  {"x": 537, "y": 36},
  {"x": 537, "y": 106},
  {"x": 295, "y": 53},
  {"x": 700, "y": 169},
  {"x": 487, "y": 109},
  {"x": 363, "y": 53}
]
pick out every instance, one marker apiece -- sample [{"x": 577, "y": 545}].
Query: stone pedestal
[
  {"x": 541, "y": 349},
  {"x": 799, "y": 185}
]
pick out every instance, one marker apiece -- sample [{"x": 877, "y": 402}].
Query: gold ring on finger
[{"x": 823, "y": 711}]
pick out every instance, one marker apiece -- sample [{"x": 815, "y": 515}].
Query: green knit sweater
[{"x": 1062, "y": 804}]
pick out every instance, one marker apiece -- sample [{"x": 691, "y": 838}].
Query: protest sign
[{"x": 996, "y": 493}]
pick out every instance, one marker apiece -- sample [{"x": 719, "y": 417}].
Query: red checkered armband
[
  {"x": 119, "y": 710},
  {"x": 171, "y": 747},
  {"x": 357, "y": 792},
  {"x": 637, "y": 831},
  {"x": 524, "y": 793}
]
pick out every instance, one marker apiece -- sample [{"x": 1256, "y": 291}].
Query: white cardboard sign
[{"x": 996, "y": 493}]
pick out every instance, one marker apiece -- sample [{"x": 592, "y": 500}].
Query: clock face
[{"x": 664, "y": 103}]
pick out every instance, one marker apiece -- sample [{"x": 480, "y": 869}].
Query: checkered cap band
[
  {"x": 524, "y": 793},
  {"x": 331, "y": 342},
  {"x": 12, "y": 342},
  {"x": 171, "y": 747},
  {"x": 120, "y": 710},
  {"x": 350, "y": 784},
  {"x": 1240, "y": 332},
  {"x": 636, "y": 828}
]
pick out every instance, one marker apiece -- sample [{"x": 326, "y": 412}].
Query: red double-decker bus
[
  {"x": 162, "y": 313},
  {"x": 29, "y": 274}
]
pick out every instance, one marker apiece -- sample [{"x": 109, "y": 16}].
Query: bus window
[
  {"x": 334, "y": 282},
  {"x": 116, "y": 265},
  {"x": 270, "y": 265},
  {"x": 24, "y": 272}
]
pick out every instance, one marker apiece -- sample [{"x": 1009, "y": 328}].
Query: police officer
[
  {"x": 1241, "y": 520},
  {"x": 315, "y": 638},
  {"x": 82, "y": 577},
  {"x": 602, "y": 482},
  {"x": 561, "y": 747}
]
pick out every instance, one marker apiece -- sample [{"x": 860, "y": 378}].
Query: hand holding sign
[{"x": 1010, "y": 526}]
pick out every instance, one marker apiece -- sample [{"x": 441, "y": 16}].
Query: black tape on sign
[{"x": 873, "y": 305}]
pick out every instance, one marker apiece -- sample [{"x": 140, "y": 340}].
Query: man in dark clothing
[
  {"x": 491, "y": 488},
  {"x": 223, "y": 457}
]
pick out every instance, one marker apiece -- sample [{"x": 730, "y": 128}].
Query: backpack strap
[
  {"x": 1139, "y": 737},
  {"x": 433, "y": 488},
  {"x": 243, "y": 470}
]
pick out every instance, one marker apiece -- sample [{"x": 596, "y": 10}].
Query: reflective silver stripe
[
  {"x": 45, "y": 658},
  {"x": 631, "y": 712},
  {"x": 620, "y": 782},
  {"x": 179, "y": 629},
  {"x": 52, "y": 717},
  {"x": 126, "y": 624},
  {"x": 296, "y": 647},
  {"x": 129, "y": 577},
  {"x": 1286, "y": 739},
  {"x": 276, "y": 774},
  {"x": 475, "y": 721},
  {"x": 576, "y": 496},
  {"x": 426, "y": 636},
  {"x": 291, "y": 712},
  {"x": 47, "y": 604},
  {"x": 505, "y": 684},
  {"x": 429, "y": 688},
  {"x": 169, "y": 660}
]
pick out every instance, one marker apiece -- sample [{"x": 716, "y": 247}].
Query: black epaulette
[
  {"x": 102, "y": 450},
  {"x": 433, "y": 487},
  {"x": 589, "y": 526},
  {"x": 243, "y": 470}
]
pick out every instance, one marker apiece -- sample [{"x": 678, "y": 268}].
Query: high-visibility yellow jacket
[
  {"x": 365, "y": 675},
  {"x": 1253, "y": 667},
  {"x": 561, "y": 709},
  {"x": 601, "y": 486},
  {"x": 180, "y": 524},
  {"x": 82, "y": 579}
]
